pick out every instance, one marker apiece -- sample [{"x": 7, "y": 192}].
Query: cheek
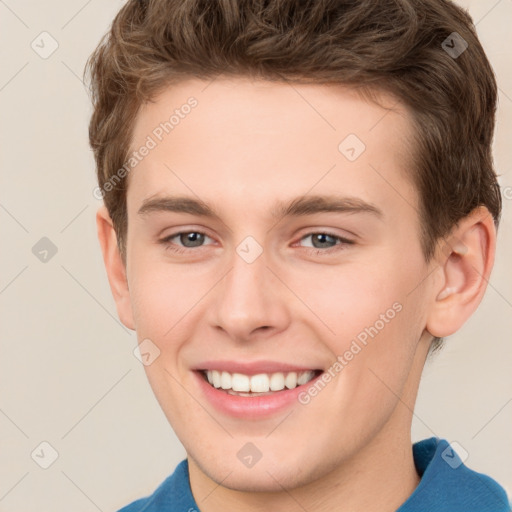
[
  {"x": 354, "y": 298},
  {"x": 154, "y": 305},
  {"x": 374, "y": 317},
  {"x": 163, "y": 295}
]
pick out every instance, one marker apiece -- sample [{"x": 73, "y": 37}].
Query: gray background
[{"x": 68, "y": 375}]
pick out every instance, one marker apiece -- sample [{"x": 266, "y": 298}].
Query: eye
[
  {"x": 184, "y": 240},
  {"x": 328, "y": 241},
  {"x": 187, "y": 240}
]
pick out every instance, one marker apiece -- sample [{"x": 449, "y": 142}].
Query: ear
[
  {"x": 115, "y": 267},
  {"x": 466, "y": 258}
]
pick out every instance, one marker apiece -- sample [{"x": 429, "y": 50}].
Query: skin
[{"x": 247, "y": 145}]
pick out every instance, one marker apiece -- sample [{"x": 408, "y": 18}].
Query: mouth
[{"x": 261, "y": 384}]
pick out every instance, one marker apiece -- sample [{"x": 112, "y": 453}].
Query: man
[{"x": 300, "y": 204}]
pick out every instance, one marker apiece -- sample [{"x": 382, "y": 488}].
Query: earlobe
[
  {"x": 466, "y": 258},
  {"x": 115, "y": 267}
]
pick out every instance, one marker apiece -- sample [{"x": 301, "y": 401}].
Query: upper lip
[{"x": 253, "y": 367}]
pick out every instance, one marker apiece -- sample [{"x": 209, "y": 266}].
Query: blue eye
[
  {"x": 320, "y": 242},
  {"x": 191, "y": 239},
  {"x": 180, "y": 242}
]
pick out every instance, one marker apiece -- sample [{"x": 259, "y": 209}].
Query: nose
[{"x": 250, "y": 301}]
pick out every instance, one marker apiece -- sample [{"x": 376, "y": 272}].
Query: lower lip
[{"x": 250, "y": 407}]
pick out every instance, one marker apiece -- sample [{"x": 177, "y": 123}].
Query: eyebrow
[{"x": 300, "y": 206}]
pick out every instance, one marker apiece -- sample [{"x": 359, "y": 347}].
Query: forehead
[{"x": 252, "y": 140}]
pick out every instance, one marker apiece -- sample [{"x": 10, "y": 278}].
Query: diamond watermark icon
[
  {"x": 351, "y": 147},
  {"x": 44, "y": 250},
  {"x": 44, "y": 455},
  {"x": 44, "y": 45},
  {"x": 249, "y": 249},
  {"x": 454, "y": 455},
  {"x": 146, "y": 352},
  {"x": 454, "y": 45},
  {"x": 249, "y": 455}
]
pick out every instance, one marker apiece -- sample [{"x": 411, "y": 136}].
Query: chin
[
  {"x": 260, "y": 483},
  {"x": 267, "y": 475}
]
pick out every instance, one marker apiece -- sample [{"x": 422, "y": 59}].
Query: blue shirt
[{"x": 446, "y": 485}]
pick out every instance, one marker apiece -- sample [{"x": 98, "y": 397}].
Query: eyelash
[{"x": 337, "y": 247}]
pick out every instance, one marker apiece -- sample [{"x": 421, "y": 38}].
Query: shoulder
[{"x": 447, "y": 484}]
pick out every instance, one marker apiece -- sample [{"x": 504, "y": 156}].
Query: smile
[{"x": 259, "y": 384}]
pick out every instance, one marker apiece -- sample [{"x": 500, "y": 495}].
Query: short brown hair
[{"x": 395, "y": 46}]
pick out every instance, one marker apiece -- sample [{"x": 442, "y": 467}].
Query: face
[{"x": 273, "y": 249}]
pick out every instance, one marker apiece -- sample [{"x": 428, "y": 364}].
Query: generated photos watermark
[
  {"x": 135, "y": 157},
  {"x": 356, "y": 346}
]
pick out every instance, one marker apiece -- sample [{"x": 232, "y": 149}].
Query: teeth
[
  {"x": 290, "y": 381},
  {"x": 225, "y": 380},
  {"x": 215, "y": 376},
  {"x": 261, "y": 383},
  {"x": 304, "y": 377},
  {"x": 277, "y": 381},
  {"x": 240, "y": 382}
]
